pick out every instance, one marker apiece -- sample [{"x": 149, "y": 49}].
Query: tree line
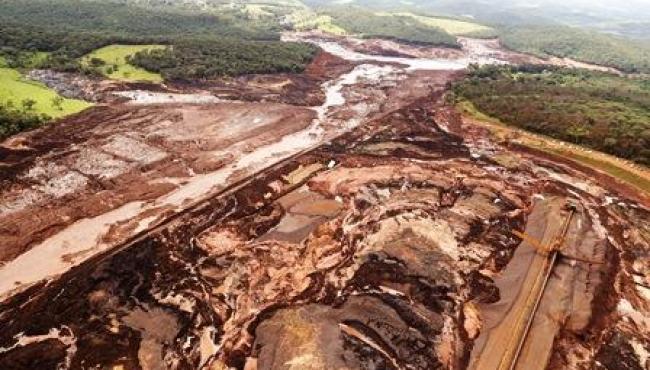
[{"x": 206, "y": 59}]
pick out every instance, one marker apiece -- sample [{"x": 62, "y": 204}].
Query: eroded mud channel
[{"x": 373, "y": 230}]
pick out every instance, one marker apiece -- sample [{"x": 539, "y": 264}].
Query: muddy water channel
[{"x": 375, "y": 230}]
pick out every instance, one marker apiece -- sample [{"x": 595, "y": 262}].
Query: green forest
[
  {"x": 70, "y": 29},
  {"x": 402, "y": 28},
  {"x": 58, "y": 34},
  {"x": 597, "y": 110},
  {"x": 116, "y": 19},
  {"x": 209, "y": 59},
  {"x": 592, "y": 47}
]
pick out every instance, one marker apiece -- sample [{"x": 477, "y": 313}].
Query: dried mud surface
[
  {"x": 297, "y": 89},
  {"x": 75, "y": 170},
  {"x": 381, "y": 238}
]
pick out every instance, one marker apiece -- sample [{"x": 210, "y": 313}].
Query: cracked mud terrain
[{"x": 346, "y": 218}]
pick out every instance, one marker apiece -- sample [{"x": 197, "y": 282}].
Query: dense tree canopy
[
  {"x": 402, "y": 28},
  {"x": 598, "y": 110},
  {"x": 209, "y": 59},
  {"x": 112, "y": 18},
  {"x": 592, "y": 47},
  {"x": 204, "y": 45},
  {"x": 69, "y": 29}
]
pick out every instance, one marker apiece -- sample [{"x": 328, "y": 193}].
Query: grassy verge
[
  {"x": 633, "y": 174},
  {"x": 15, "y": 89},
  {"x": 23, "y": 59},
  {"x": 114, "y": 65}
]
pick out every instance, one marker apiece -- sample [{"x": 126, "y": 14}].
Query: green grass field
[
  {"x": 15, "y": 88},
  {"x": 115, "y": 56}
]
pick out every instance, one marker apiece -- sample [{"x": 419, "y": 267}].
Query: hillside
[
  {"x": 86, "y": 37},
  {"x": 356, "y": 21},
  {"x": 600, "y": 111},
  {"x": 603, "y": 14},
  {"x": 592, "y": 47}
]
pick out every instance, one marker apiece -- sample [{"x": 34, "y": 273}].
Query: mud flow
[{"x": 352, "y": 220}]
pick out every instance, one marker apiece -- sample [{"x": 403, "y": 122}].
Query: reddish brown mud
[{"x": 381, "y": 237}]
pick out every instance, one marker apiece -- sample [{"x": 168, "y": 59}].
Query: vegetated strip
[
  {"x": 593, "y": 109},
  {"x": 586, "y": 46},
  {"x": 26, "y": 104},
  {"x": 454, "y": 26},
  {"x": 206, "y": 59},
  {"x": 546, "y": 146},
  {"x": 403, "y": 28}
]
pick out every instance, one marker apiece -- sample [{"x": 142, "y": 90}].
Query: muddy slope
[
  {"x": 374, "y": 231},
  {"x": 408, "y": 228}
]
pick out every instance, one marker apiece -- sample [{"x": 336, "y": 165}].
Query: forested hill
[
  {"x": 60, "y": 34},
  {"x": 69, "y": 29},
  {"x": 602, "y": 111},
  {"x": 593, "y": 47},
  {"x": 360, "y": 22},
  {"x": 627, "y": 18},
  {"x": 116, "y": 19},
  {"x": 219, "y": 5}
]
